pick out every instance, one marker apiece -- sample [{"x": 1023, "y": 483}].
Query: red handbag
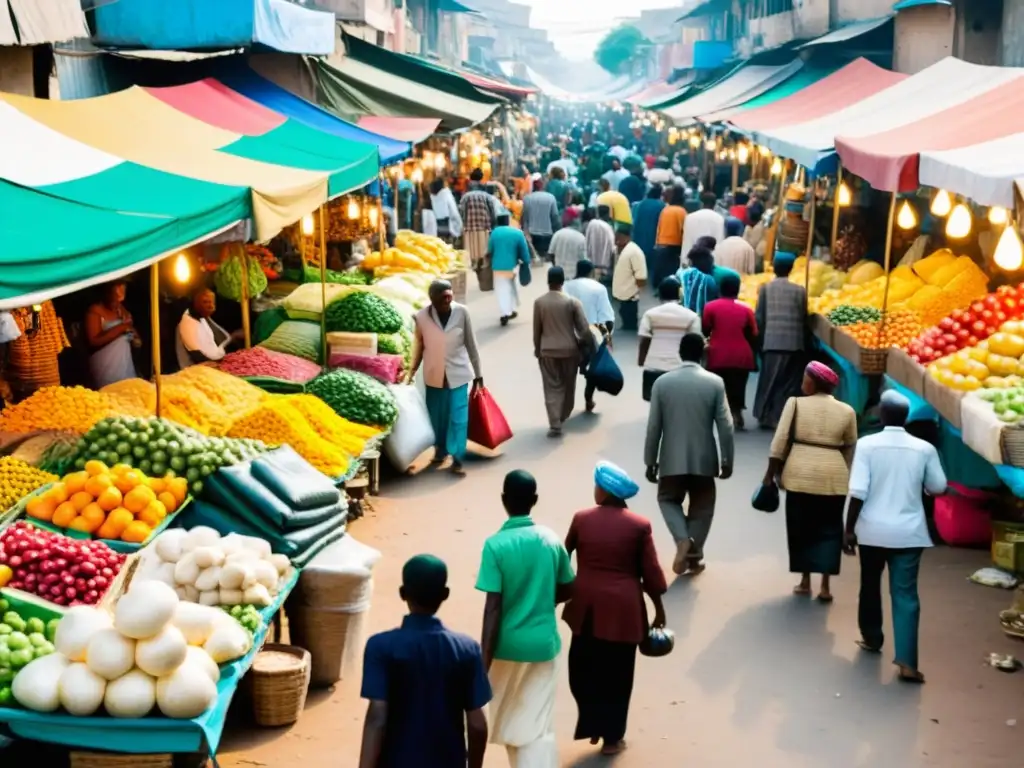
[{"x": 487, "y": 424}]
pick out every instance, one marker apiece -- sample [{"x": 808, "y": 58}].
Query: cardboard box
[
  {"x": 1008, "y": 546},
  {"x": 901, "y": 368},
  {"x": 846, "y": 347},
  {"x": 944, "y": 400},
  {"x": 822, "y": 328}
]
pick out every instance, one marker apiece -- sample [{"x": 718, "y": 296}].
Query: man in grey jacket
[{"x": 680, "y": 452}]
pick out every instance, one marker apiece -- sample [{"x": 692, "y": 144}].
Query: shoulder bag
[{"x": 766, "y": 497}]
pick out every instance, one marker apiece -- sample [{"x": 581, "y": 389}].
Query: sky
[{"x": 577, "y": 26}]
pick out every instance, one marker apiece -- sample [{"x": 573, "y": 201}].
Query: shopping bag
[
  {"x": 412, "y": 433},
  {"x": 604, "y": 373},
  {"x": 525, "y": 277},
  {"x": 487, "y": 424},
  {"x": 766, "y": 498}
]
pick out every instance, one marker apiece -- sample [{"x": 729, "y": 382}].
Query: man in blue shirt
[
  {"x": 506, "y": 249},
  {"x": 426, "y": 685}
]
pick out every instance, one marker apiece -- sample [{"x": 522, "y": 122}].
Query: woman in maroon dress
[
  {"x": 732, "y": 332},
  {"x": 616, "y": 564}
]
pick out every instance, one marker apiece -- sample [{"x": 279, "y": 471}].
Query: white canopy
[
  {"x": 739, "y": 87},
  {"x": 983, "y": 172}
]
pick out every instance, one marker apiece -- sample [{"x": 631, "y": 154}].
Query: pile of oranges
[
  {"x": 897, "y": 329},
  {"x": 117, "y": 503}
]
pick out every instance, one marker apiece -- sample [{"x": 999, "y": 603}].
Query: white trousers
[
  {"x": 522, "y": 712},
  {"x": 507, "y": 292}
]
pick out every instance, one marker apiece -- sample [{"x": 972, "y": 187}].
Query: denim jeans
[{"x": 903, "y": 566}]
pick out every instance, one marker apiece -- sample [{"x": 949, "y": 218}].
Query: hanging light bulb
[
  {"x": 373, "y": 217},
  {"x": 1009, "y": 253},
  {"x": 182, "y": 269},
  {"x": 764, "y": 151},
  {"x": 906, "y": 219},
  {"x": 694, "y": 141},
  {"x": 958, "y": 225},
  {"x": 439, "y": 161},
  {"x": 742, "y": 154},
  {"x": 710, "y": 146},
  {"x": 843, "y": 196},
  {"x": 307, "y": 225},
  {"x": 353, "y": 208},
  {"x": 417, "y": 176},
  {"x": 942, "y": 204},
  {"x": 776, "y": 167},
  {"x": 998, "y": 215}
]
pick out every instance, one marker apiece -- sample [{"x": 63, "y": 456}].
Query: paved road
[{"x": 758, "y": 677}]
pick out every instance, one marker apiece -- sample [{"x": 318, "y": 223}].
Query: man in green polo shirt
[{"x": 525, "y": 572}]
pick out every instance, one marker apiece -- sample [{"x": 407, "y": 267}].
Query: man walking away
[
  {"x": 615, "y": 176},
  {"x": 559, "y": 331},
  {"x": 597, "y": 308},
  {"x": 478, "y": 210},
  {"x": 886, "y": 520},
  {"x": 707, "y": 222},
  {"x": 427, "y": 685},
  {"x": 629, "y": 277},
  {"x": 600, "y": 241},
  {"x": 507, "y": 249},
  {"x": 540, "y": 218},
  {"x": 680, "y": 453},
  {"x": 568, "y": 247},
  {"x": 525, "y": 572}
]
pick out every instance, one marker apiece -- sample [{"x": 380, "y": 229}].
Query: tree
[{"x": 617, "y": 49}]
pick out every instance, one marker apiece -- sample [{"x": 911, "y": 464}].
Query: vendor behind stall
[
  {"x": 200, "y": 339},
  {"x": 111, "y": 336}
]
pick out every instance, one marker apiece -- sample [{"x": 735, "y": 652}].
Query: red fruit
[
  {"x": 972, "y": 341},
  {"x": 978, "y": 326},
  {"x": 946, "y": 323},
  {"x": 978, "y": 307},
  {"x": 991, "y": 301}
]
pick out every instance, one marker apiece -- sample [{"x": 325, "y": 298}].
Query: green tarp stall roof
[
  {"x": 353, "y": 89},
  {"x": 738, "y": 87},
  {"x": 905, "y": 4},
  {"x": 417, "y": 69},
  {"x": 805, "y": 77},
  {"x": 53, "y": 247}
]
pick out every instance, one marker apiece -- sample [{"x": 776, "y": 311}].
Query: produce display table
[
  {"x": 148, "y": 735},
  {"x": 854, "y": 388}
]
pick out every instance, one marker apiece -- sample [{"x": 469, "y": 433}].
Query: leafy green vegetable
[
  {"x": 356, "y": 397},
  {"x": 357, "y": 277},
  {"x": 228, "y": 278},
  {"x": 363, "y": 312}
]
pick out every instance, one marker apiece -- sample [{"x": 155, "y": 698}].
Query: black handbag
[
  {"x": 659, "y": 642},
  {"x": 525, "y": 276},
  {"x": 766, "y": 498}
]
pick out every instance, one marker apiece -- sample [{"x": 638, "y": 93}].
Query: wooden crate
[
  {"x": 902, "y": 369},
  {"x": 459, "y": 283},
  {"x": 945, "y": 400},
  {"x": 822, "y": 328}
]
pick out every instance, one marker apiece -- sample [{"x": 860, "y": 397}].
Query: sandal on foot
[
  {"x": 908, "y": 675},
  {"x": 822, "y": 598},
  {"x": 865, "y": 646},
  {"x": 801, "y": 590},
  {"x": 613, "y": 749}
]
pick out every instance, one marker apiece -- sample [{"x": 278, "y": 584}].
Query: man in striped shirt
[
  {"x": 479, "y": 210},
  {"x": 540, "y": 218}
]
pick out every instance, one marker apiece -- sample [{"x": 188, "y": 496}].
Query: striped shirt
[
  {"x": 782, "y": 316},
  {"x": 478, "y": 211},
  {"x": 540, "y": 213}
]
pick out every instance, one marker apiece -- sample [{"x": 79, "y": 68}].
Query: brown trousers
[
  {"x": 559, "y": 377},
  {"x": 695, "y": 522}
]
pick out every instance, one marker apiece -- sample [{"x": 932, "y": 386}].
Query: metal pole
[
  {"x": 323, "y": 283},
  {"x": 835, "y": 212},
  {"x": 398, "y": 221},
  {"x": 246, "y": 332},
  {"x": 735, "y": 170},
  {"x": 382, "y": 227},
  {"x": 888, "y": 258},
  {"x": 154, "y": 321},
  {"x": 810, "y": 244}
]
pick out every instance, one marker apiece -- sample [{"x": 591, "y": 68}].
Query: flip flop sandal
[
  {"x": 866, "y": 647},
  {"x": 826, "y": 599}
]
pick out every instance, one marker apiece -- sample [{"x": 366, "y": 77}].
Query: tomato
[
  {"x": 947, "y": 339},
  {"x": 949, "y": 349},
  {"x": 978, "y": 327},
  {"x": 978, "y": 307},
  {"x": 991, "y": 301},
  {"x": 1010, "y": 306},
  {"x": 988, "y": 315},
  {"x": 956, "y": 314},
  {"x": 946, "y": 323},
  {"x": 972, "y": 341},
  {"x": 962, "y": 335},
  {"x": 1000, "y": 316}
]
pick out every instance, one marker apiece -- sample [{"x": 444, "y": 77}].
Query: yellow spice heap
[{"x": 18, "y": 480}]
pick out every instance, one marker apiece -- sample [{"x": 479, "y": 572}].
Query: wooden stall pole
[
  {"x": 779, "y": 210},
  {"x": 394, "y": 190},
  {"x": 888, "y": 259},
  {"x": 735, "y": 170},
  {"x": 810, "y": 243},
  {"x": 835, "y": 213},
  {"x": 323, "y": 283},
  {"x": 382, "y": 227},
  {"x": 246, "y": 325},
  {"x": 154, "y": 321}
]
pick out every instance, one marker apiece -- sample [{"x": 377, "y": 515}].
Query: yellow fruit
[
  {"x": 75, "y": 482},
  {"x": 127, "y": 481},
  {"x": 168, "y": 500},
  {"x": 40, "y": 508},
  {"x": 81, "y": 524},
  {"x": 6, "y": 574},
  {"x": 136, "y": 532},
  {"x": 110, "y": 499},
  {"x": 94, "y": 468},
  {"x": 158, "y": 484},
  {"x": 58, "y": 493},
  {"x": 97, "y": 484},
  {"x": 138, "y": 498},
  {"x": 117, "y": 521},
  {"x": 64, "y": 514},
  {"x": 94, "y": 516},
  {"x": 178, "y": 488},
  {"x": 81, "y": 500},
  {"x": 120, "y": 469},
  {"x": 153, "y": 514}
]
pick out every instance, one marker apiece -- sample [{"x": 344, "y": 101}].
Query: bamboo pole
[
  {"x": 323, "y": 283},
  {"x": 398, "y": 178},
  {"x": 154, "y": 321},
  {"x": 779, "y": 210},
  {"x": 246, "y": 325},
  {"x": 382, "y": 227},
  {"x": 810, "y": 244},
  {"x": 835, "y": 212},
  {"x": 888, "y": 258},
  {"x": 735, "y": 170}
]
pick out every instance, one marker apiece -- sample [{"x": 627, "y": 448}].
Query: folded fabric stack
[{"x": 278, "y": 497}]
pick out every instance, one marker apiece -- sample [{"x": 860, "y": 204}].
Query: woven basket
[
  {"x": 1012, "y": 440},
  {"x": 115, "y": 760},
  {"x": 279, "y": 693},
  {"x": 872, "y": 361},
  {"x": 333, "y": 638}
]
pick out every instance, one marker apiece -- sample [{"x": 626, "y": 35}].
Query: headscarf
[
  {"x": 822, "y": 374},
  {"x": 733, "y": 227},
  {"x": 614, "y": 480}
]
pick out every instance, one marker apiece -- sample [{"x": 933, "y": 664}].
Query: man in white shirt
[
  {"x": 707, "y": 222},
  {"x": 597, "y": 308},
  {"x": 600, "y": 242},
  {"x": 661, "y": 330},
  {"x": 568, "y": 247},
  {"x": 615, "y": 175},
  {"x": 887, "y": 521},
  {"x": 629, "y": 277},
  {"x": 734, "y": 252},
  {"x": 199, "y": 338},
  {"x": 446, "y": 211}
]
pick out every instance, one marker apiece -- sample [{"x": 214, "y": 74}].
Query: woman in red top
[
  {"x": 616, "y": 563},
  {"x": 732, "y": 330}
]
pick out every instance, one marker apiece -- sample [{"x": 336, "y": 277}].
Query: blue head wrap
[
  {"x": 733, "y": 227},
  {"x": 614, "y": 480}
]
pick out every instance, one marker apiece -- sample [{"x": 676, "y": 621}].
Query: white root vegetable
[
  {"x": 110, "y": 654},
  {"x": 165, "y": 573},
  {"x": 260, "y": 546},
  {"x": 281, "y": 563},
  {"x": 207, "y": 557},
  {"x": 200, "y": 536},
  {"x": 209, "y": 579},
  {"x": 76, "y": 630},
  {"x": 210, "y": 598},
  {"x": 131, "y": 695},
  {"x": 144, "y": 610},
  {"x": 161, "y": 655},
  {"x": 185, "y": 693},
  {"x": 257, "y": 595},
  {"x": 186, "y": 570},
  {"x": 266, "y": 574},
  {"x": 196, "y": 622},
  {"x": 232, "y": 575},
  {"x": 37, "y": 685},
  {"x": 168, "y": 545},
  {"x": 200, "y": 658},
  {"x": 191, "y": 593},
  {"x": 231, "y": 597},
  {"x": 228, "y": 642},
  {"x": 231, "y": 544},
  {"x": 81, "y": 690}
]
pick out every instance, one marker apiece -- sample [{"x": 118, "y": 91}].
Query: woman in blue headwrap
[
  {"x": 698, "y": 280},
  {"x": 616, "y": 564}
]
